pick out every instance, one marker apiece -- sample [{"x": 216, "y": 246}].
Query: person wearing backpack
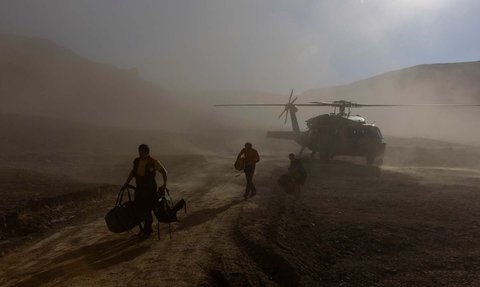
[
  {"x": 144, "y": 170},
  {"x": 251, "y": 158}
]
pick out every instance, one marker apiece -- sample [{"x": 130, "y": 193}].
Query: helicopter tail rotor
[{"x": 290, "y": 105}]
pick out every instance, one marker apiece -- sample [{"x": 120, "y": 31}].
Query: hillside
[
  {"x": 420, "y": 84},
  {"x": 39, "y": 77}
]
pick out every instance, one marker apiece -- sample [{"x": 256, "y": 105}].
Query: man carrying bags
[{"x": 144, "y": 170}]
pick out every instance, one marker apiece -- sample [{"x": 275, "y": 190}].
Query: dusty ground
[{"x": 352, "y": 225}]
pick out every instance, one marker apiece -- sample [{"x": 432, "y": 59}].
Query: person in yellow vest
[
  {"x": 251, "y": 158},
  {"x": 144, "y": 170}
]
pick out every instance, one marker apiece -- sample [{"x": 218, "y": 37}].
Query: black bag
[
  {"x": 123, "y": 216},
  {"x": 165, "y": 211}
]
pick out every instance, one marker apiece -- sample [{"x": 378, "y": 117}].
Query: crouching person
[
  {"x": 297, "y": 172},
  {"x": 144, "y": 170}
]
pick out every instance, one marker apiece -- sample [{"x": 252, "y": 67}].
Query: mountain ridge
[{"x": 430, "y": 82}]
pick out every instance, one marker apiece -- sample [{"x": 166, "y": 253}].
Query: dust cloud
[
  {"x": 83, "y": 83},
  {"x": 424, "y": 85},
  {"x": 57, "y": 102},
  {"x": 178, "y": 60}
]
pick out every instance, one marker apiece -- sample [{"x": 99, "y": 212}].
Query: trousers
[
  {"x": 145, "y": 196},
  {"x": 250, "y": 187}
]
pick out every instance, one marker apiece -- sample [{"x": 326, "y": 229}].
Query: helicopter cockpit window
[
  {"x": 375, "y": 132},
  {"x": 380, "y": 136}
]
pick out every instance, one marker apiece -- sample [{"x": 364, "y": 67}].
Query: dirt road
[
  {"x": 352, "y": 225},
  {"x": 87, "y": 254}
]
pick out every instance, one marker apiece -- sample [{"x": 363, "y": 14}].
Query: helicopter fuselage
[
  {"x": 338, "y": 133},
  {"x": 330, "y": 135}
]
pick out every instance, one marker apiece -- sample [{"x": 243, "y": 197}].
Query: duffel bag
[{"x": 123, "y": 216}]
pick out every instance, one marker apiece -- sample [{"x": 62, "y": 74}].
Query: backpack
[
  {"x": 165, "y": 211},
  {"x": 123, "y": 216},
  {"x": 240, "y": 164}
]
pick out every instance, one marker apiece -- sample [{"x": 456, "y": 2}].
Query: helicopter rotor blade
[
  {"x": 421, "y": 105},
  {"x": 248, "y": 105},
  {"x": 348, "y": 104},
  {"x": 285, "y": 110},
  {"x": 319, "y": 104},
  {"x": 355, "y": 105}
]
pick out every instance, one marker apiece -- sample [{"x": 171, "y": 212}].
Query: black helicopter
[{"x": 337, "y": 133}]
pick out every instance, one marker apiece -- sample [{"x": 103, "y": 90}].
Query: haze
[
  {"x": 83, "y": 83},
  {"x": 194, "y": 54},
  {"x": 254, "y": 45}
]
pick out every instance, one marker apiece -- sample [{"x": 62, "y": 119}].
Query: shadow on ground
[
  {"x": 98, "y": 256},
  {"x": 204, "y": 215}
]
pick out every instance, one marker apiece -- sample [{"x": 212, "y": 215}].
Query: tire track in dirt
[
  {"x": 269, "y": 261},
  {"x": 87, "y": 254},
  {"x": 257, "y": 261}
]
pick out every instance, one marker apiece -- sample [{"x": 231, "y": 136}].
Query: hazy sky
[{"x": 269, "y": 45}]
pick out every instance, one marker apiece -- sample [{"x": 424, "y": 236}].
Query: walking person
[
  {"x": 144, "y": 170},
  {"x": 251, "y": 157}
]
